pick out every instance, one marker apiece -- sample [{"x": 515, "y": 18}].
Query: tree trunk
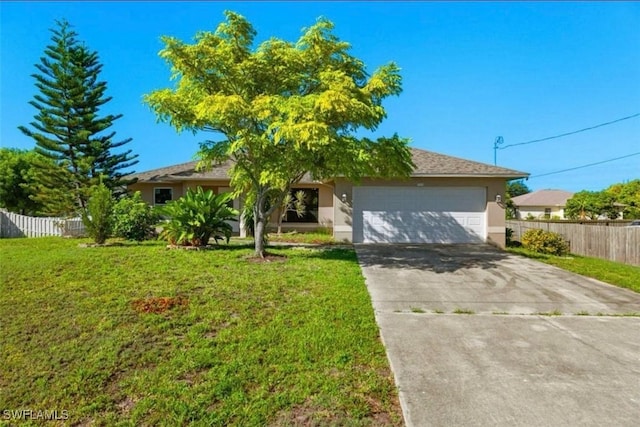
[
  {"x": 279, "y": 222},
  {"x": 258, "y": 235},
  {"x": 261, "y": 218}
]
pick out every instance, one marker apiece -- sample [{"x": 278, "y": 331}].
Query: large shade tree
[
  {"x": 591, "y": 205},
  {"x": 69, "y": 129},
  {"x": 280, "y": 110},
  {"x": 18, "y": 185},
  {"x": 627, "y": 194}
]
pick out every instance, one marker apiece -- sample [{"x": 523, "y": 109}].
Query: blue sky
[{"x": 471, "y": 71}]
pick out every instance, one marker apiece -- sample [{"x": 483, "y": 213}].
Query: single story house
[
  {"x": 446, "y": 200},
  {"x": 541, "y": 204}
]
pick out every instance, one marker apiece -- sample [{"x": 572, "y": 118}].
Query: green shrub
[
  {"x": 325, "y": 230},
  {"x": 248, "y": 219},
  {"x": 509, "y": 242},
  {"x": 134, "y": 219},
  {"x": 197, "y": 217},
  {"x": 508, "y": 235},
  {"x": 545, "y": 242},
  {"x": 98, "y": 218}
]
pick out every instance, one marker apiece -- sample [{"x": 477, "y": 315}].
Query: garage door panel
[
  {"x": 418, "y": 227},
  {"x": 419, "y": 215},
  {"x": 474, "y": 221}
]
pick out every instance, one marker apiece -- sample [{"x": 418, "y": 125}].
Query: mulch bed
[
  {"x": 99, "y": 245},
  {"x": 193, "y": 248},
  {"x": 267, "y": 258}
]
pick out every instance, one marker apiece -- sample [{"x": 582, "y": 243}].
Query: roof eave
[
  {"x": 467, "y": 175},
  {"x": 173, "y": 179}
]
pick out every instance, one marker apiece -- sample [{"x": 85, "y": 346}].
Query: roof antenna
[{"x": 499, "y": 140}]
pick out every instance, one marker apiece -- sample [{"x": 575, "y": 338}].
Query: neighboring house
[
  {"x": 542, "y": 204},
  {"x": 446, "y": 200},
  {"x": 620, "y": 207}
]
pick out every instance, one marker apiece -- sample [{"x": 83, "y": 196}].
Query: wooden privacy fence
[
  {"x": 15, "y": 225},
  {"x": 615, "y": 243}
]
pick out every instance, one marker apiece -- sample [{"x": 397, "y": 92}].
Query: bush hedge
[
  {"x": 545, "y": 242},
  {"x": 134, "y": 219}
]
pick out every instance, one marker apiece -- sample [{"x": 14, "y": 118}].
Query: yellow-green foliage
[
  {"x": 545, "y": 242},
  {"x": 628, "y": 194},
  {"x": 284, "y": 109}
]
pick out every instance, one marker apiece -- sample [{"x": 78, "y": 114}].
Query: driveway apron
[{"x": 479, "y": 337}]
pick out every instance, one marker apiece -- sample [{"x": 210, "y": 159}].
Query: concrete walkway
[{"x": 539, "y": 347}]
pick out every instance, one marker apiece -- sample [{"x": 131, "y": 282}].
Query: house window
[
  {"x": 547, "y": 213},
  {"x": 162, "y": 195},
  {"x": 310, "y": 213}
]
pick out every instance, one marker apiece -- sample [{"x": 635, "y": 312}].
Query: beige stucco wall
[
  {"x": 337, "y": 215},
  {"x": 179, "y": 188},
  {"x": 325, "y": 210},
  {"x": 495, "y": 212},
  {"x": 146, "y": 190},
  {"x": 538, "y": 212},
  {"x": 325, "y": 200}
]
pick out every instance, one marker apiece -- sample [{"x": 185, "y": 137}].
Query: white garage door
[{"x": 419, "y": 214}]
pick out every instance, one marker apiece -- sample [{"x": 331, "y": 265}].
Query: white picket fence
[{"x": 15, "y": 225}]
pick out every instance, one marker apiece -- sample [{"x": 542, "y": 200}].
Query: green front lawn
[
  {"x": 615, "y": 273},
  {"x": 307, "y": 237},
  {"x": 142, "y": 335}
]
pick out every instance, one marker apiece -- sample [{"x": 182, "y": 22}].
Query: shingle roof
[
  {"x": 184, "y": 172},
  {"x": 543, "y": 198},
  {"x": 427, "y": 164},
  {"x": 187, "y": 172}
]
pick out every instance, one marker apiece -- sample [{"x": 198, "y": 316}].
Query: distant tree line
[
  {"x": 621, "y": 197},
  {"x": 591, "y": 205}
]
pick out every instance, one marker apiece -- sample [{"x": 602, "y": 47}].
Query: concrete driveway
[{"x": 479, "y": 337}]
